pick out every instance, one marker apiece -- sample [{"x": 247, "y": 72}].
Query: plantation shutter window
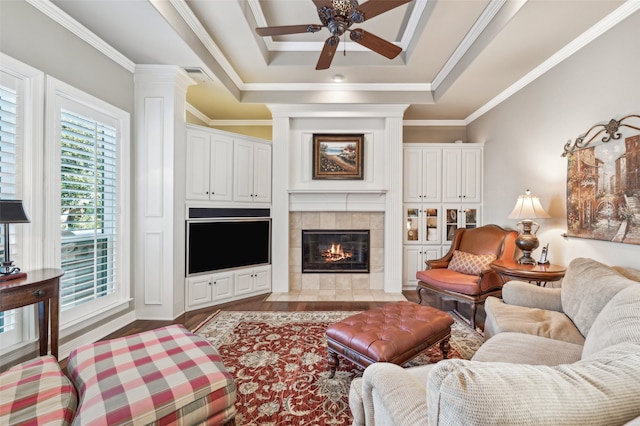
[
  {"x": 88, "y": 207},
  {"x": 87, "y": 235},
  {"x": 8, "y": 163}
]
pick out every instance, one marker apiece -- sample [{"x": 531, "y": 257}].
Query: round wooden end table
[{"x": 539, "y": 274}]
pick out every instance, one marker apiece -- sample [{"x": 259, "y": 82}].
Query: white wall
[{"x": 525, "y": 135}]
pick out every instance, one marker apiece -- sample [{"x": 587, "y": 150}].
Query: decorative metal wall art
[
  {"x": 611, "y": 129},
  {"x": 603, "y": 182}
]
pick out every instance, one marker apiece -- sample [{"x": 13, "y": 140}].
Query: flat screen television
[{"x": 227, "y": 243}]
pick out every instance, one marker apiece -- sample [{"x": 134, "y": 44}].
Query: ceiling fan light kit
[{"x": 338, "y": 16}]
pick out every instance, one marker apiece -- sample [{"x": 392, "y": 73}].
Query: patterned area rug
[{"x": 279, "y": 363}]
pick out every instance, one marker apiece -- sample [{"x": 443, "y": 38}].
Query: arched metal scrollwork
[{"x": 611, "y": 129}]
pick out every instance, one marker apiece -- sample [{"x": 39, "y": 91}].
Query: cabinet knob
[
  {"x": 207, "y": 192},
  {"x": 209, "y": 283},
  {"x": 38, "y": 293}
]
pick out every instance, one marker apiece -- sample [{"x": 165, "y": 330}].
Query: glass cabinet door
[
  {"x": 451, "y": 223},
  {"x": 412, "y": 220},
  {"x": 432, "y": 225},
  {"x": 470, "y": 218}
]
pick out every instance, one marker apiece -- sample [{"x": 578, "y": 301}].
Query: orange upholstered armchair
[{"x": 463, "y": 274}]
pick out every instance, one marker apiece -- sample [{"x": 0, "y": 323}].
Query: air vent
[{"x": 197, "y": 74}]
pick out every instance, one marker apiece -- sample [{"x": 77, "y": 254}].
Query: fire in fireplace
[{"x": 335, "y": 251}]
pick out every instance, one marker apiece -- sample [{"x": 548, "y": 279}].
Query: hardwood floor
[{"x": 259, "y": 303}]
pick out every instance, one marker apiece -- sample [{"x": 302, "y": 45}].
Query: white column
[
  {"x": 159, "y": 196},
  {"x": 393, "y": 215},
  {"x": 280, "y": 203}
]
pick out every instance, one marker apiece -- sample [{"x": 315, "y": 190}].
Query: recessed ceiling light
[{"x": 338, "y": 78}]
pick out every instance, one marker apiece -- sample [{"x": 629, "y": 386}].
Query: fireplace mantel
[{"x": 339, "y": 200}]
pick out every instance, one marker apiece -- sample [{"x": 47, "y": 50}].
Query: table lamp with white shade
[{"x": 527, "y": 208}]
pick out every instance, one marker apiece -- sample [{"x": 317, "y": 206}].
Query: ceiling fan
[{"x": 338, "y": 16}]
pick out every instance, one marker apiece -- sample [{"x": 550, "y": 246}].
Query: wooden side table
[
  {"x": 42, "y": 287},
  {"x": 540, "y": 274}
]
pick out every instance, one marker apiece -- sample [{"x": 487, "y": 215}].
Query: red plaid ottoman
[
  {"x": 163, "y": 376},
  {"x": 36, "y": 393}
]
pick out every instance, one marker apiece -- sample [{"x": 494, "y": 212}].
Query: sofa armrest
[
  {"x": 393, "y": 395},
  {"x": 531, "y": 296},
  {"x": 598, "y": 391}
]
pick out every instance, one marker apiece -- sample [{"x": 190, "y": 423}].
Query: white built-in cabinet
[
  {"x": 442, "y": 192},
  {"x": 226, "y": 170},
  {"x": 252, "y": 172},
  {"x": 209, "y": 175},
  {"x": 223, "y": 166},
  {"x": 221, "y": 287}
]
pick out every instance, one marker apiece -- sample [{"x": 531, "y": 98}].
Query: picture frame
[{"x": 338, "y": 156}]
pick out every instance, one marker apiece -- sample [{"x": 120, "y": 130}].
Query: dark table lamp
[
  {"x": 11, "y": 211},
  {"x": 528, "y": 207}
]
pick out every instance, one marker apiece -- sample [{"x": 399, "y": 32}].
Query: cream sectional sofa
[{"x": 568, "y": 355}]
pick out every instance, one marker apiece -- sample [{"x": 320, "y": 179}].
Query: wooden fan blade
[
  {"x": 373, "y": 8},
  {"x": 322, "y": 3},
  {"x": 375, "y": 43},
  {"x": 328, "y": 51},
  {"x": 288, "y": 29}
]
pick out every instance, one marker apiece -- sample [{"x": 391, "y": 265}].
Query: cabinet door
[
  {"x": 431, "y": 175},
  {"x": 262, "y": 173},
  {"x": 452, "y": 221},
  {"x": 431, "y": 218},
  {"x": 198, "y": 156},
  {"x": 452, "y": 187},
  {"x": 243, "y": 282},
  {"x": 412, "y": 171},
  {"x": 414, "y": 261},
  {"x": 413, "y": 224},
  {"x": 198, "y": 290},
  {"x": 470, "y": 216},
  {"x": 243, "y": 171},
  {"x": 221, "y": 173},
  {"x": 471, "y": 175},
  {"x": 262, "y": 278},
  {"x": 222, "y": 285}
]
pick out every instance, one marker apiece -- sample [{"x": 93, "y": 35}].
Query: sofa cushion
[
  {"x": 471, "y": 264},
  {"x": 528, "y": 349},
  {"x": 588, "y": 286},
  {"x": 618, "y": 322},
  {"x": 36, "y": 392},
  {"x": 601, "y": 391},
  {"x": 502, "y": 317}
]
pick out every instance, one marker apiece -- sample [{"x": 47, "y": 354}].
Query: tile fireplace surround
[{"x": 336, "y": 286}]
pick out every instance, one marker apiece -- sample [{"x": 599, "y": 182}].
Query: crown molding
[
  {"x": 478, "y": 28},
  {"x": 56, "y": 14},
  {"x": 190, "y": 19},
  {"x": 433, "y": 123},
  {"x": 342, "y": 87},
  {"x": 604, "y": 25}
]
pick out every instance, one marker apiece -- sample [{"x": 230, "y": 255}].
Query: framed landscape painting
[{"x": 338, "y": 156}]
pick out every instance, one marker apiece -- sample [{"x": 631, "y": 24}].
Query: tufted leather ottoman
[{"x": 396, "y": 332}]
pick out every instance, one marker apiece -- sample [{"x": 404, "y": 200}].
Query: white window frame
[
  {"x": 28, "y": 253},
  {"x": 59, "y": 95}
]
